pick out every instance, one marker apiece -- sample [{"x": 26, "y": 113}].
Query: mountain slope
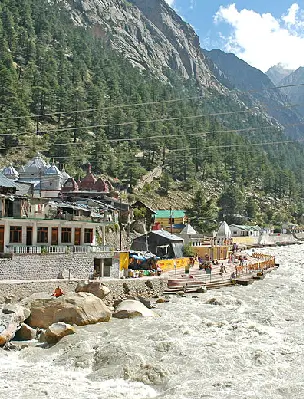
[
  {"x": 258, "y": 88},
  {"x": 277, "y": 73},
  {"x": 159, "y": 44},
  {"x": 296, "y": 91},
  {"x": 125, "y": 86}
]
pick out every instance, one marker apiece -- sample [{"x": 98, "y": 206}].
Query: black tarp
[{"x": 161, "y": 243}]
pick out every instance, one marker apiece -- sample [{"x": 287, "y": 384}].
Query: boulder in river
[
  {"x": 56, "y": 331},
  {"x": 130, "y": 308},
  {"x": 25, "y": 333},
  {"x": 11, "y": 316},
  {"x": 74, "y": 308},
  {"x": 94, "y": 287}
]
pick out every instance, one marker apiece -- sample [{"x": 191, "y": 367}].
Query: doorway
[
  {"x": 29, "y": 236},
  {"x": 77, "y": 236},
  {"x": 54, "y": 240},
  {"x": 1, "y": 238}
]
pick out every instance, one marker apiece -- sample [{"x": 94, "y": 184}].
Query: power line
[
  {"x": 202, "y": 133},
  {"x": 125, "y": 105},
  {"x": 240, "y": 145},
  {"x": 211, "y": 147},
  {"x": 159, "y": 120},
  {"x": 133, "y": 139}
]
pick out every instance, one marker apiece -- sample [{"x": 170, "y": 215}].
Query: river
[{"x": 233, "y": 343}]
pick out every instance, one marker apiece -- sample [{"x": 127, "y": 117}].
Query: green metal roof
[{"x": 166, "y": 214}]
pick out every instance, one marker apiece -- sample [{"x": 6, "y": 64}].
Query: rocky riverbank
[
  {"x": 16, "y": 290},
  {"x": 43, "y": 317}
]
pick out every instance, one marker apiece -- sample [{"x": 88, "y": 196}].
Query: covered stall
[{"x": 161, "y": 243}]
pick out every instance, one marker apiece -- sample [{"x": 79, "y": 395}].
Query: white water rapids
[{"x": 249, "y": 344}]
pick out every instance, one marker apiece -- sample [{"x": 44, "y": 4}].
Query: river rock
[
  {"x": 74, "y": 308},
  {"x": 145, "y": 302},
  {"x": 162, "y": 300},
  {"x": 11, "y": 316},
  {"x": 94, "y": 287},
  {"x": 214, "y": 301},
  {"x": 201, "y": 290},
  {"x": 55, "y": 332},
  {"x": 25, "y": 333},
  {"x": 130, "y": 308}
]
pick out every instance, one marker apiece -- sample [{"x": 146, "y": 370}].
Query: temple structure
[
  {"x": 90, "y": 183},
  {"x": 46, "y": 180}
]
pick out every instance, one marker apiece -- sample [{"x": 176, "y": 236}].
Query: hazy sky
[{"x": 261, "y": 32}]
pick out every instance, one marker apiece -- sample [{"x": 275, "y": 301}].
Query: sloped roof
[
  {"x": 166, "y": 234},
  {"x": 6, "y": 182},
  {"x": 23, "y": 188},
  {"x": 188, "y": 230},
  {"x": 244, "y": 227},
  {"x": 166, "y": 214},
  {"x": 224, "y": 231}
]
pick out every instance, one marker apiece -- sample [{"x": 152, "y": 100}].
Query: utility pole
[
  {"x": 120, "y": 236},
  {"x": 171, "y": 226},
  {"x": 40, "y": 172},
  {"x": 196, "y": 155}
]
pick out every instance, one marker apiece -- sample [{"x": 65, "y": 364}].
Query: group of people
[{"x": 137, "y": 267}]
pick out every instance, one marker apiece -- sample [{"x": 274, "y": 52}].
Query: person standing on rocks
[{"x": 57, "y": 292}]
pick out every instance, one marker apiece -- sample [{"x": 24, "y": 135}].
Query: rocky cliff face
[
  {"x": 149, "y": 34},
  {"x": 296, "y": 92},
  {"x": 277, "y": 73},
  {"x": 258, "y": 88},
  {"x": 153, "y": 38}
]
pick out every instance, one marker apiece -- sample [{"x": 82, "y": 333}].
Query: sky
[{"x": 261, "y": 32}]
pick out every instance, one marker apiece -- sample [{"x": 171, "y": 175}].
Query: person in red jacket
[{"x": 57, "y": 292}]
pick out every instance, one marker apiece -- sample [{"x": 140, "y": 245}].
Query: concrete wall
[{"x": 45, "y": 266}]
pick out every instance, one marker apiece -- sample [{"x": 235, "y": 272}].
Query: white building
[
  {"x": 244, "y": 231},
  {"x": 33, "y": 226},
  {"x": 223, "y": 235}
]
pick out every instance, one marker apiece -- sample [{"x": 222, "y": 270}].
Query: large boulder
[
  {"x": 56, "y": 331},
  {"x": 25, "y": 333},
  {"x": 74, "y": 308},
  {"x": 94, "y": 287},
  {"x": 131, "y": 308},
  {"x": 11, "y": 316}
]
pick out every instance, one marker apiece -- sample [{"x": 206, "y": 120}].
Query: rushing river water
[{"x": 248, "y": 344}]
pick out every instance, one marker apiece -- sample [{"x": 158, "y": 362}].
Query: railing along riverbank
[{"x": 223, "y": 273}]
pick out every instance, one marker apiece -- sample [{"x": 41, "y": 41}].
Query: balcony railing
[{"x": 57, "y": 249}]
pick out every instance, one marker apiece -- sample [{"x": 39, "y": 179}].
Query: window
[
  {"x": 42, "y": 235},
  {"x": 88, "y": 236},
  {"x": 66, "y": 235},
  {"x": 16, "y": 234},
  {"x": 171, "y": 220}
]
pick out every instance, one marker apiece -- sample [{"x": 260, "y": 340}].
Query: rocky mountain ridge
[
  {"x": 148, "y": 34},
  {"x": 296, "y": 90},
  {"x": 258, "y": 89},
  {"x": 154, "y": 38},
  {"x": 277, "y": 73}
]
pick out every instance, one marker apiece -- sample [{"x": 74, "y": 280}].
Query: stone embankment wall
[
  {"x": 43, "y": 267},
  {"x": 120, "y": 289},
  {"x": 277, "y": 239}
]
